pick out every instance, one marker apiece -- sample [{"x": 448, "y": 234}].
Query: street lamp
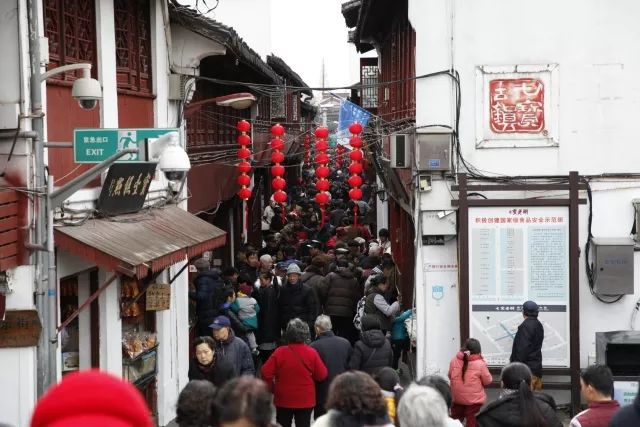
[{"x": 237, "y": 101}]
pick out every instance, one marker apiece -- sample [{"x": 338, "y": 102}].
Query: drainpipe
[{"x": 46, "y": 372}]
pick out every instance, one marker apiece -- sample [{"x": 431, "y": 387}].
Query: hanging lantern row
[
  {"x": 307, "y": 149},
  {"x": 322, "y": 171},
  {"x": 355, "y": 168},
  {"x": 244, "y": 154},
  {"x": 277, "y": 170}
]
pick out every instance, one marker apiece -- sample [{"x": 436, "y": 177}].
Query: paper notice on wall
[{"x": 515, "y": 255}]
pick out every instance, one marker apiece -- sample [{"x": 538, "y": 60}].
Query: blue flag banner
[{"x": 349, "y": 113}]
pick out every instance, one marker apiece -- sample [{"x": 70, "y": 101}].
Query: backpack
[{"x": 357, "y": 319}]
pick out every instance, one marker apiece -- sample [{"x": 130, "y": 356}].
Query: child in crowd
[
  {"x": 389, "y": 382},
  {"x": 246, "y": 308},
  {"x": 469, "y": 375}
]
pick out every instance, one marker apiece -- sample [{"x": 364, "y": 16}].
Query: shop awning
[{"x": 138, "y": 243}]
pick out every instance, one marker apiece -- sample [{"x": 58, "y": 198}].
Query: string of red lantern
[
  {"x": 322, "y": 171},
  {"x": 244, "y": 167},
  {"x": 355, "y": 168},
  {"x": 277, "y": 170}
]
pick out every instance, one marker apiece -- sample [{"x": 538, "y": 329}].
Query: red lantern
[
  {"x": 322, "y": 145},
  {"x": 244, "y": 153},
  {"x": 278, "y": 183},
  {"x": 277, "y": 130},
  {"x": 277, "y": 144},
  {"x": 322, "y": 198},
  {"x": 355, "y": 168},
  {"x": 355, "y": 155},
  {"x": 323, "y": 185},
  {"x": 244, "y": 180},
  {"x": 322, "y": 158},
  {"x": 322, "y": 172},
  {"x": 355, "y": 142},
  {"x": 277, "y": 170},
  {"x": 354, "y": 181},
  {"x": 244, "y": 193},
  {"x": 355, "y": 194},
  {"x": 355, "y": 128},
  {"x": 280, "y": 196},
  {"x": 244, "y": 167},
  {"x": 277, "y": 157},
  {"x": 244, "y": 139},
  {"x": 322, "y": 133},
  {"x": 243, "y": 126}
]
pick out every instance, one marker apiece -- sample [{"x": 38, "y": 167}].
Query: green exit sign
[{"x": 96, "y": 145}]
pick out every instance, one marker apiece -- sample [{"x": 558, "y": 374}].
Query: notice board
[{"x": 518, "y": 254}]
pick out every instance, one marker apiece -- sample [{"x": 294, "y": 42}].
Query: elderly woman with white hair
[
  {"x": 422, "y": 406},
  {"x": 291, "y": 373}
]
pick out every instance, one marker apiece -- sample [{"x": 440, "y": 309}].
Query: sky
[{"x": 304, "y": 33}]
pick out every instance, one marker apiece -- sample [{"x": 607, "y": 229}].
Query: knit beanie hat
[
  {"x": 91, "y": 398},
  {"x": 387, "y": 378}
]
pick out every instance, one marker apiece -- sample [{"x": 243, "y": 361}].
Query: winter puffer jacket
[
  {"x": 297, "y": 300},
  {"x": 268, "y": 320},
  {"x": 527, "y": 345},
  {"x": 373, "y": 351},
  {"x": 506, "y": 412},
  {"x": 470, "y": 390},
  {"x": 209, "y": 287},
  {"x": 371, "y": 308},
  {"x": 236, "y": 352},
  {"x": 340, "y": 293},
  {"x": 313, "y": 278}
]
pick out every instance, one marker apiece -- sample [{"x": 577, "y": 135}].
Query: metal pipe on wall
[{"x": 45, "y": 372}]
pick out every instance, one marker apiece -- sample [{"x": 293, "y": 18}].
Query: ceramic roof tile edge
[
  {"x": 222, "y": 34},
  {"x": 350, "y": 11},
  {"x": 282, "y": 68}
]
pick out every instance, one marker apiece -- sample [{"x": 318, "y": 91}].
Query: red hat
[{"x": 91, "y": 398}]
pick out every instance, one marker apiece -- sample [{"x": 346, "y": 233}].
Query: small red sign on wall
[{"x": 516, "y": 105}]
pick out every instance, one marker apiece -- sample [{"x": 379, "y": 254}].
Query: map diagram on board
[
  {"x": 496, "y": 329},
  {"x": 515, "y": 255}
]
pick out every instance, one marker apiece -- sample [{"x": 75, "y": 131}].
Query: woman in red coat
[{"x": 291, "y": 373}]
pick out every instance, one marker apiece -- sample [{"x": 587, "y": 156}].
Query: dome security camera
[
  {"x": 86, "y": 91},
  {"x": 174, "y": 161}
]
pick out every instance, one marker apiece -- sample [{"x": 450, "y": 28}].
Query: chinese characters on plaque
[
  {"x": 158, "y": 297},
  {"x": 126, "y": 187},
  {"x": 516, "y": 105}
]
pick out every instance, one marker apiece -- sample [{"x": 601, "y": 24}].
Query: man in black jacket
[
  {"x": 207, "y": 295},
  {"x": 266, "y": 295},
  {"x": 296, "y": 299},
  {"x": 527, "y": 344},
  {"x": 339, "y": 295},
  {"x": 335, "y": 352}
]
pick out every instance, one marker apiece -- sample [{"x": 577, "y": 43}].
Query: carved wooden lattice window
[
  {"x": 133, "y": 45},
  {"x": 70, "y": 26}
]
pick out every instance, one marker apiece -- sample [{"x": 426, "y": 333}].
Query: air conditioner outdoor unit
[
  {"x": 178, "y": 87},
  {"x": 401, "y": 150}
]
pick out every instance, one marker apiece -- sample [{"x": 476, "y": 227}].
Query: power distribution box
[
  {"x": 434, "y": 151},
  {"x": 613, "y": 265}
]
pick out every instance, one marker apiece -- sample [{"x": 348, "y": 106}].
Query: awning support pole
[{"x": 89, "y": 300}]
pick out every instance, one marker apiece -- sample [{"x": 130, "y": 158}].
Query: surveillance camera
[
  {"x": 173, "y": 175},
  {"x": 87, "y": 92},
  {"x": 174, "y": 163},
  {"x": 87, "y": 104}
]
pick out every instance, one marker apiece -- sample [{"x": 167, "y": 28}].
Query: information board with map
[{"x": 515, "y": 255}]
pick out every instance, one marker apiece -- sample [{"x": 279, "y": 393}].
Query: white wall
[{"x": 593, "y": 42}]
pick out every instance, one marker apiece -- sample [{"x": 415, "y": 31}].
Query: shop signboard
[
  {"x": 20, "y": 328},
  {"x": 158, "y": 297},
  {"x": 125, "y": 188},
  {"x": 96, "y": 145},
  {"x": 515, "y": 255}
]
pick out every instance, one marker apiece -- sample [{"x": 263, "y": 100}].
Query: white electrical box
[
  {"x": 439, "y": 223},
  {"x": 9, "y": 116},
  {"x": 400, "y": 150},
  {"x": 178, "y": 87},
  {"x": 434, "y": 151}
]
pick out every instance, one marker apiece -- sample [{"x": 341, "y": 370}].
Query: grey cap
[
  {"x": 293, "y": 269},
  {"x": 202, "y": 264}
]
